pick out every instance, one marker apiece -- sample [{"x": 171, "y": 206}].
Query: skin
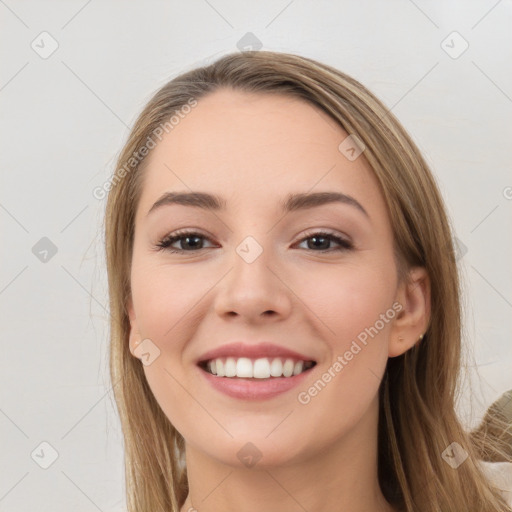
[{"x": 253, "y": 150}]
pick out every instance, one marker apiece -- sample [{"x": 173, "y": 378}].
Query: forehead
[{"x": 256, "y": 149}]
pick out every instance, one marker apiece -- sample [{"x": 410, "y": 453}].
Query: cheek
[
  {"x": 356, "y": 305},
  {"x": 349, "y": 303},
  {"x": 163, "y": 297},
  {"x": 348, "y": 300}
]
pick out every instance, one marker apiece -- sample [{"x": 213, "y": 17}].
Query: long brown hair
[{"x": 418, "y": 394}]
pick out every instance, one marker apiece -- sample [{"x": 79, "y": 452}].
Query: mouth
[{"x": 263, "y": 368}]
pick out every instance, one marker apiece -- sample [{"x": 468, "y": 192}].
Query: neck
[{"x": 339, "y": 476}]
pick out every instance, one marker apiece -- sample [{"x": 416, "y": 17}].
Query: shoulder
[{"x": 500, "y": 474}]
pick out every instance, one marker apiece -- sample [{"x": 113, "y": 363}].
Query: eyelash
[{"x": 165, "y": 243}]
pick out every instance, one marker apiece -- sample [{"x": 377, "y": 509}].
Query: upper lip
[{"x": 252, "y": 351}]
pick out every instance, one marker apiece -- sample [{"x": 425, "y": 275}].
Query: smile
[
  {"x": 254, "y": 379},
  {"x": 261, "y": 368}
]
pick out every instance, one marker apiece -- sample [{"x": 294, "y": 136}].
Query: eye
[
  {"x": 192, "y": 241},
  {"x": 322, "y": 239}
]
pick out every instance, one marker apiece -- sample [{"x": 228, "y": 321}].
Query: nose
[{"x": 254, "y": 291}]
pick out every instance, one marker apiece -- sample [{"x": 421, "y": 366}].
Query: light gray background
[{"x": 65, "y": 118}]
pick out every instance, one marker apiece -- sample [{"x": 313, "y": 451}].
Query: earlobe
[
  {"x": 411, "y": 323},
  {"x": 134, "y": 341}
]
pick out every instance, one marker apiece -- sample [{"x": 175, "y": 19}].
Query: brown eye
[
  {"x": 187, "y": 242},
  {"x": 321, "y": 242},
  {"x": 192, "y": 242}
]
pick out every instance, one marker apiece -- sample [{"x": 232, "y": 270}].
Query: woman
[{"x": 285, "y": 302}]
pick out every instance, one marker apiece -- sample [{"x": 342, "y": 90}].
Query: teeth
[
  {"x": 230, "y": 367},
  {"x": 276, "y": 368},
  {"x": 244, "y": 367},
  {"x": 298, "y": 367},
  {"x": 262, "y": 368},
  {"x": 288, "y": 368},
  {"x": 220, "y": 367}
]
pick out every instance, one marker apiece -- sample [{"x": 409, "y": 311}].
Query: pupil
[
  {"x": 322, "y": 246},
  {"x": 196, "y": 238}
]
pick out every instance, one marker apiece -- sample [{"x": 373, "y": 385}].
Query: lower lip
[{"x": 254, "y": 389}]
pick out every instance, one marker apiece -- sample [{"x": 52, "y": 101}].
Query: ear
[
  {"x": 412, "y": 321},
  {"x": 135, "y": 337}
]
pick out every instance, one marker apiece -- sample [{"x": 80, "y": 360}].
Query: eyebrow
[{"x": 292, "y": 202}]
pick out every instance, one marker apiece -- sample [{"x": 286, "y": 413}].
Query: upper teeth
[{"x": 261, "y": 368}]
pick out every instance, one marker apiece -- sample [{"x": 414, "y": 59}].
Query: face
[{"x": 316, "y": 278}]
